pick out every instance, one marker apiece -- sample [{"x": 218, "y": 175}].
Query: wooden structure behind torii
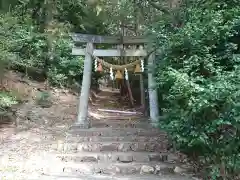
[{"x": 89, "y": 52}]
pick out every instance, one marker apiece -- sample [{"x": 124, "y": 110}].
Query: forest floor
[{"x": 22, "y": 148}]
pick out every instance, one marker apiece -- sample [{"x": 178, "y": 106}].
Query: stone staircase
[{"x": 117, "y": 149}]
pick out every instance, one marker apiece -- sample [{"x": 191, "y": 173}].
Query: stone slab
[
  {"x": 118, "y": 168},
  {"x": 78, "y": 139},
  {"x": 124, "y": 157},
  {"x": 111, "y": 146},
  {"x": 116, "y": 132},
  {"x": 66, "y": 176}
]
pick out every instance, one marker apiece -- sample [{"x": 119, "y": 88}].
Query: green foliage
[
  {"x": 32, "y": 45},
  {"x": 7, "y": 100},
  {"x": 65, "y": 68},
  {"x": 23, "y": 45},
  {"x": 198, "y": 77},
  {"x": 24, "y": 48}
]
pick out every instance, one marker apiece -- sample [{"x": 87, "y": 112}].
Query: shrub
[
  {"x": 7, "y": 100},
  {"x": 25, "y": 49},
  {"x": 198, "y": 79},
  {"x": 65, "y": 69}
]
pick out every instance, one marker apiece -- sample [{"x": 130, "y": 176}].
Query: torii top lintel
[{"x": 96, "y": 39}]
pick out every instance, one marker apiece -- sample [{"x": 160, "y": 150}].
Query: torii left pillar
[
  {"x": 152, "y": 92},
  {"x": 82, "y": 120}
]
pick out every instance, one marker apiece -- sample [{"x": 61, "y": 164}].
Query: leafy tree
[{"x": 198, "y": 80}]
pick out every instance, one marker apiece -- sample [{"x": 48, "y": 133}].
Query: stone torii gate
[{"x": 89, "y": 52}]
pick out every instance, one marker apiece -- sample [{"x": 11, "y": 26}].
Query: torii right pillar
[{"x": 152, "y": 91}]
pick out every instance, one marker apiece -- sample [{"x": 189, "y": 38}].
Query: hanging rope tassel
[
  {"x": 118, "y": 75},
  {"x": 126, "y": 74},
  {"x": 137, "y": 69}
]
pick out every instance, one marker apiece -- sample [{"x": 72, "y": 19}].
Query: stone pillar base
[
  {"x": 154, "y": 124},
  {"x": 79, "y": 125}
]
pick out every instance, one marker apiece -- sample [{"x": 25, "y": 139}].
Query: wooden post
[
  {"x": 83, "y": 121},
  {"x": 152, "y": 91}
]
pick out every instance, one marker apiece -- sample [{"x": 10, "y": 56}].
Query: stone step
[
  {"x": 99, "y": 118},
  {"x": 115, "y": 132},
  {"x": 118, "y": 157},
  {"x": 119, "y": 168},
  {"x": 125, "y": 123},
  {"x": 78, "y": 139},
  {"x": 70, "y": 176},
  {"x": 110, "y": 146}
]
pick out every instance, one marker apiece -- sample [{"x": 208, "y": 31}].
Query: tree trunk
[
  {"x": 47, "y": 28},
  {"x": 153, "y": 97},
  {"x": 85, "y": 91}
]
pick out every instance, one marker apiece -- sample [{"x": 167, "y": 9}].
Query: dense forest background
[{"x": 197, "y": 72}]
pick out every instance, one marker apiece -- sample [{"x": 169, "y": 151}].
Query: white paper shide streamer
[
  {"x": 111, "y": 73},
  {"x": 142, "y": 65},
  {"x": 95, "y": 64},
  {"x": 126, "y": 74}
]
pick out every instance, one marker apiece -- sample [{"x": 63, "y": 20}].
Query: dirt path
[{"x": 22, "y": 150}]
